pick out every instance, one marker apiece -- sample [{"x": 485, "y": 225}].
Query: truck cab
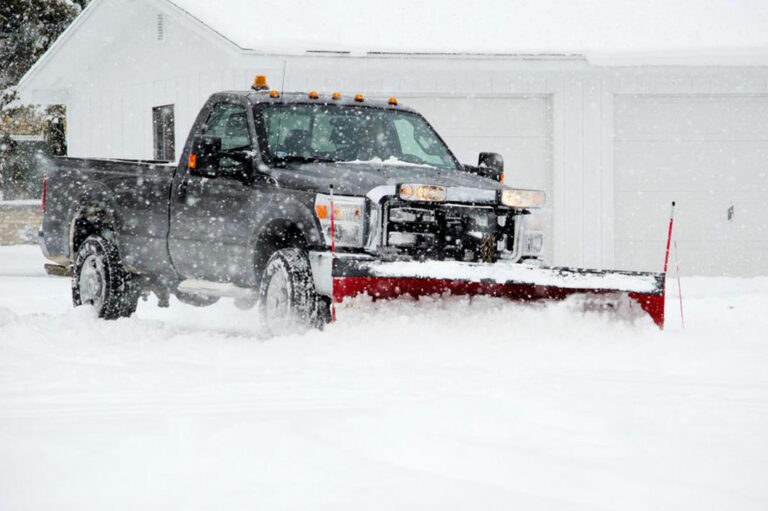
[{"x": 399, "y": 192}]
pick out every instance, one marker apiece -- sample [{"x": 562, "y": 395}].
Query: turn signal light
[
  {"x": 359, "y": 97},
  {"x": 192, "y": 161},
  {"x": 314, "y": 95},
  {"x": 322, "y": 211}
]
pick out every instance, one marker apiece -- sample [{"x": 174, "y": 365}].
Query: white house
[{"x": 614, "y": 108}]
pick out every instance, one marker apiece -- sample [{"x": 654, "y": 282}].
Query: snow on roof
[{"x": 602, "y": 30}]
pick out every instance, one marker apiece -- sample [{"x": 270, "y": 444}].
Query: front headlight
[
  {"x": 523, "y": 198},
  {"x": 349, "y": 219},
  {"x": 426, "y": 193}
]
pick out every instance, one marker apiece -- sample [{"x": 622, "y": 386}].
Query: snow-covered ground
[{"x": 429, "y": 405}]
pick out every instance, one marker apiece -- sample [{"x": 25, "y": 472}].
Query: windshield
[{"x": 343, "y": 133}]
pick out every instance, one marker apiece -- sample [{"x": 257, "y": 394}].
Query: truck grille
[{"x": 447, "y": 231}]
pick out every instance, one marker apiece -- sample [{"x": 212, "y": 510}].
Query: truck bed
[{"x": 132, "y": 193}]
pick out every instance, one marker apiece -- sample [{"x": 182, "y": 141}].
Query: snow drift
[{"x": 450, "y": 404}]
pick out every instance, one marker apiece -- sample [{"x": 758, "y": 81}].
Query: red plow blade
[{"x": 518, "y": 282}]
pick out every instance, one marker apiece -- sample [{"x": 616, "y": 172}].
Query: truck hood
[{"x": 359, "y": 178}]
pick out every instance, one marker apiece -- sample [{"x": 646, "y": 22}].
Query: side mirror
[
  {"x": 491, "y": 165},
  {"x": 205, "y": 155}
]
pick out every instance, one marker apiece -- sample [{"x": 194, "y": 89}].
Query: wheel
[
  {"x": 288, "y": 302},
  {"x": 99, "y": 279},
  {"x": 196, "y": 300}
]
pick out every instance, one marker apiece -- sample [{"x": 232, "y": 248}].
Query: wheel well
[
  {"x": 276, "y": 236},
  {"x": 89, "y": 221}
]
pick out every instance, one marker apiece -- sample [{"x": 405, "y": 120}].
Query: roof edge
[
  {"x": 58, "y": 43},
  {"x": 86, "y": 13},
  {"x": 170, "y": 5}
]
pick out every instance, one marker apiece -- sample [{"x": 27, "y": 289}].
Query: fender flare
[
  {"x": 293, "y": 214},
  {"x": 94, "y": 199}
]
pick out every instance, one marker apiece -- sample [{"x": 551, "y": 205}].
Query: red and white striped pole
[
  {"x": 333, "y": 256},
  {"x": 669, "y": 236}
]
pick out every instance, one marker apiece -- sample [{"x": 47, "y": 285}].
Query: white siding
[
  {"x": 110, "y": 105},
  {"x": 710, "y": 153}
]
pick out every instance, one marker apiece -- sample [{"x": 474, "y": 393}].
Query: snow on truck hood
[{"x": 359, "y": 177}]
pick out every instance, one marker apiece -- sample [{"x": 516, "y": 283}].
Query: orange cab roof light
[
  {"x": 260, "y": 83},
  {"x": 393, "y": 101},
  {"x": 313, "y": 94},
  {"x": 336, "y": 95},
  {"x": 274, "y": 94},
  {"x": 359, "y": 97}
]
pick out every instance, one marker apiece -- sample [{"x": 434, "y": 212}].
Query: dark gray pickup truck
[{"x": 247, "y": 212}]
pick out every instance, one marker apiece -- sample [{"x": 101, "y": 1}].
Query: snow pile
[
  {"x": 502, "y": 273},
  {"x": 452, "y": 404}
]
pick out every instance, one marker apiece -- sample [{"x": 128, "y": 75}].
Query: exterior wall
[
  {"x": 707, "y": 152},
  {"x": 19, "y": 221},
  {"x": 109, "y": 108}
]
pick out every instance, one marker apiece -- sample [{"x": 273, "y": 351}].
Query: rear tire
[
  {"x": 288, "y": 302},
  {"x": 99, "y": 279}
]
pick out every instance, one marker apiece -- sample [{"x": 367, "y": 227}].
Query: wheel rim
[
  {"x": 278, "y": 304},
  {"x": 91, "y": 282}
]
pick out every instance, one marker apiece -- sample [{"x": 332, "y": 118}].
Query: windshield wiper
[{"x": 282, "y": 160}]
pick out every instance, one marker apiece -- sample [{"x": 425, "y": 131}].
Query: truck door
[{"x": 210, "y": 222}]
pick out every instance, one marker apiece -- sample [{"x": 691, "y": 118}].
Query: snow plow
[{"x": 628, "y": 292}]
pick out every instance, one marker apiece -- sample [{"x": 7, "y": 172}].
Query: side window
[
  {"x": 230, "y": 123},
  {"x": 163, "y": 132}
]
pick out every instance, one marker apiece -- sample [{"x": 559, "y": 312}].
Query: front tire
[
  {"x": 288, "y": 302},
  {"x": 99, "y": 279}
]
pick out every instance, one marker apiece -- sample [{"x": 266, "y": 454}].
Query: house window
[{"x": 163, "y": 131}]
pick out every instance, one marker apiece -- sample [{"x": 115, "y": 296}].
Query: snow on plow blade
[{"x": 518, "y": 282}]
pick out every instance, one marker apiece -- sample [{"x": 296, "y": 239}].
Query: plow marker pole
[
  {"x": 333, "y": 254},
  {"x": 666, "y": 256},
  {"x": 669, "y": 236}
]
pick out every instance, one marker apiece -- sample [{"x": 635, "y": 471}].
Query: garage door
[
  {"x": 710, "y": 154},
  {"x": 518, "y": 128}
]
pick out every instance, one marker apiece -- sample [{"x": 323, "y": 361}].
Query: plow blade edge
[{"x": 519, "y": 282}]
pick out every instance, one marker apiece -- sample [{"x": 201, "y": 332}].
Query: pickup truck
[{"x": 270, "y": 186}]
